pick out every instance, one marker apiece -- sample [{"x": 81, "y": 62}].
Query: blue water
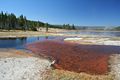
[
  {"x": 19, "y": 43},
  {"x": 103, "y": 33}
]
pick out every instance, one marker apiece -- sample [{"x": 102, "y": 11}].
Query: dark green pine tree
[
  {"x": 73, "y": 27},
  {"x": 2, "y": 16},
  {"x": 13, "y": 21},
  {"x": 46, "y": 25},
  {"x": 0, "y": 21},
  {"x": 25, "y": 23},
  {"x": 22, "y": 22}
]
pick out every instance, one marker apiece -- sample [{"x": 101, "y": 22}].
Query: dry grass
[
  {"x": 20, "y": 34},
  {"x": 67, "y": 75}
]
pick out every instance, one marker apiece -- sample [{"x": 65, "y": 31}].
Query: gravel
[{"x": 30, "y": 68}]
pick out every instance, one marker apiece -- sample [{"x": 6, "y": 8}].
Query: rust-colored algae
[{"x": 91, "y": 59}]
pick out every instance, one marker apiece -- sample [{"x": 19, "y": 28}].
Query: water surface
[
  {"x": 19, "y": 43},
  {"x": 96, "y": 33},
  {"x": 75, "y": 57}
]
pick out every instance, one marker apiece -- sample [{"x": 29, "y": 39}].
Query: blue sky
[{"x": 78, "y": 12}]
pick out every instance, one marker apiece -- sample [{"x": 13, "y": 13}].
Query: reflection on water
[
  {"x": 46, "y": 37},
  {"x": 20, "y": 42}
]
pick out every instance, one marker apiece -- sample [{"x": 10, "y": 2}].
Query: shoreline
[
  {"x": 53, "y": 32},
  {"x": 109, "y": 76},
  {"x": 54, "y": 73}
]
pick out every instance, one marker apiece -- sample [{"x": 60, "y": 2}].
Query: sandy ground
[
  {"x": 14, "y": 34},
  {"x": 115, "y": 65},
  {"x": 20, "y": 34},
  {"x": 17, "y": 65}
]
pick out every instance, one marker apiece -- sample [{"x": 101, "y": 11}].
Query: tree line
[
  {"x": 11, "y": 22},
  {"x": 64, "y": 26},
  {"x": 116, "y": 28}
]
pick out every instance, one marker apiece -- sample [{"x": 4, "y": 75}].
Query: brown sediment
[{"x": 91, "y": 59}]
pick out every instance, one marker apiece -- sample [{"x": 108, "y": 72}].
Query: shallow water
[
  {"x": 19, "y": 43},
  {"x": 96, "y": 33},
  {"x": 75, "y": 57}
]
